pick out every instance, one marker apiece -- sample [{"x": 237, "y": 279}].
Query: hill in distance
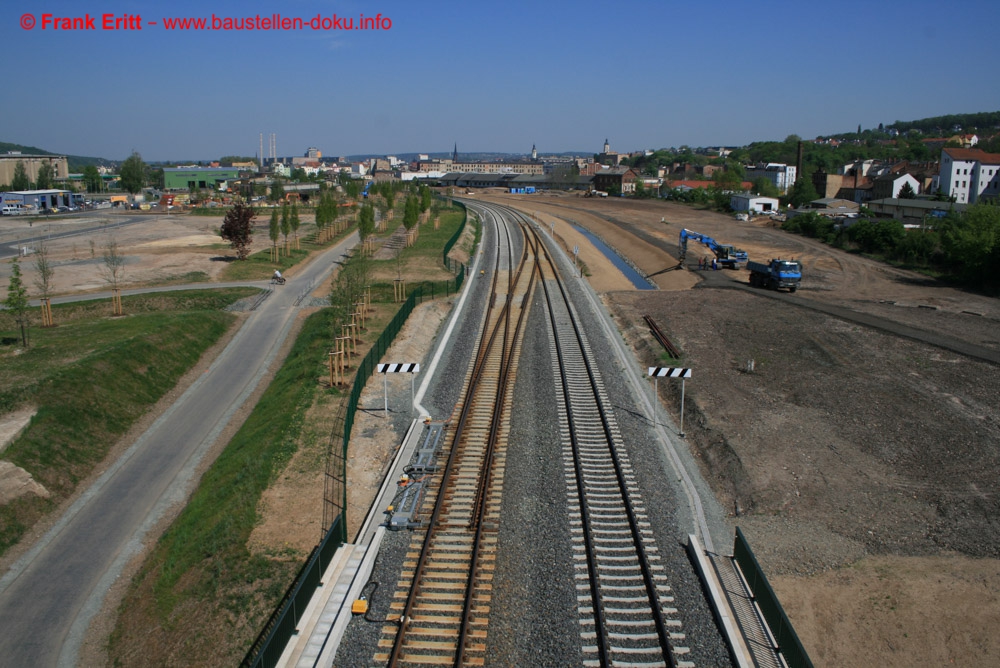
[{"x": 76, "y": 162}]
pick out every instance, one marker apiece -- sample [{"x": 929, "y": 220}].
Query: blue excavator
[{"x": 727, "y": 255}]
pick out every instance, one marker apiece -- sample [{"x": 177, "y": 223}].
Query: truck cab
[{"x": 776, "y": 274}]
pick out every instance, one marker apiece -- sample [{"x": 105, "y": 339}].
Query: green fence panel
[
  {"x": 788, "y": 641},
  {"x": 267, "y": 649},
  {"x": 454, "y": 238}
]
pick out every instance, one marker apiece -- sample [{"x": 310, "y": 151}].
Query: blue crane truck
[
  {"x": 726, "y": 254},
  {"x": 775, "y": 274}
]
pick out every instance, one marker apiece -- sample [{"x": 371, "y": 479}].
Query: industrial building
[
  {"x": 9, "y": 160},
  {"x": 35, "y": 201},
  {"x": 191, "y": 178},
  {"x": 780, "y": 175},
  {"x": 753, "y": 203}
]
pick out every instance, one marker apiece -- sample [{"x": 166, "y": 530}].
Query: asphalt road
[{"x": 50, "y": 595}]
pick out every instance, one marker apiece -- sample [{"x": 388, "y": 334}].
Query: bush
[{"x": 877, "y": 236}]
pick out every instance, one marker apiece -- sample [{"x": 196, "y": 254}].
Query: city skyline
[{"x": 562, "y": 76}]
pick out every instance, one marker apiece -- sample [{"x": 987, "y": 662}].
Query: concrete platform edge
[{"x": 720, "y": 605}]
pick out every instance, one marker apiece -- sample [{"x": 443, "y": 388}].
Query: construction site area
[{"x": 859, "y": 458}]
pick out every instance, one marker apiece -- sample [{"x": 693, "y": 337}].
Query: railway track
[
  {"x": 624, "y": 598},
  {"x": 661, "y": 337},
  {"x": 443, "y": 601}
]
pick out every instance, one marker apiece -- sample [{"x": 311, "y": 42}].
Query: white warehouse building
[{"x": 753, "y": 203}]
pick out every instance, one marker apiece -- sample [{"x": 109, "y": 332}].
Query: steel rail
[
  {"x": 645, "y": 567},
  {"x": 485, "y": 341},
  {"x": 486, "y": 475},
  {"x": 488, "y": 340},
  {"x": 661, "y": 629}
]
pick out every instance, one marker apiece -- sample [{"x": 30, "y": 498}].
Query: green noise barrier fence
[
  {"x": 271, "y": 641},
  {"x": 448, "y": 262},
  {"x": 784, "y": 635}
]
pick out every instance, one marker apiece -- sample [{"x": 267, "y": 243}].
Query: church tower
[
  {"x": 534, "y": 153},
  {"x": 454, "y": 154},
  {"x": 607, "y": 146}
]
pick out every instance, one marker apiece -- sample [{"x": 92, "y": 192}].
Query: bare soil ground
[
  {"x": 861, "y": 465},
  {"x": 373, "y": 441},
  {"x": 158, "y": 250}
]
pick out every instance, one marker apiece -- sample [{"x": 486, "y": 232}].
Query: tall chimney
[{"x": 798, "y": 162}]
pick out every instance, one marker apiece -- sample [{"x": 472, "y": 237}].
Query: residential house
[
  {"x": 780, "y": 175},
  {"x": 889, "y": 185},
  {"x": 969, "y": 174},
  {"x": 621, "y": 179}
]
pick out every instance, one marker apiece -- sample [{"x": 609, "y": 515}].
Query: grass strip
[
  {"x": 204, "y": 554},
  {"x": 90, "y": 379}
]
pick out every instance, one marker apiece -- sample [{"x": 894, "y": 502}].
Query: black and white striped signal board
[
  {"x": 669, "y": 372},
  {"x": 399, "y": 368}
]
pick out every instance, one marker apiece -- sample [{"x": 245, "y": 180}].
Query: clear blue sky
[{"x": 491, "y": 76}]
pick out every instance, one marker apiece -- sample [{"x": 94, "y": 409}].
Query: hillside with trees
[
  {"x": 76, "y": 162},
  {"x": 983, "y": 122}
]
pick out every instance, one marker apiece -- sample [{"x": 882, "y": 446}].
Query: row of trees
[
  {"x": 237, "y": 226},
  {"x": 961, "y": 247},
  {"x": 288, "y": 224},
  {"x": 112, "y": 268},
  {"x": 327, "y": 211}
]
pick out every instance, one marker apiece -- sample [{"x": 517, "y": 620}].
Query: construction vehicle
[
  {"x": 775, "y": 274},
  {"x": 726, "y": 254}
]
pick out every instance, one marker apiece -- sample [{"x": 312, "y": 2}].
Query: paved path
[{"x": 50, "y": 595}]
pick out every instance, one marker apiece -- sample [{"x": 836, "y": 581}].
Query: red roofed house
[{"x": 969, "y": 174}]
